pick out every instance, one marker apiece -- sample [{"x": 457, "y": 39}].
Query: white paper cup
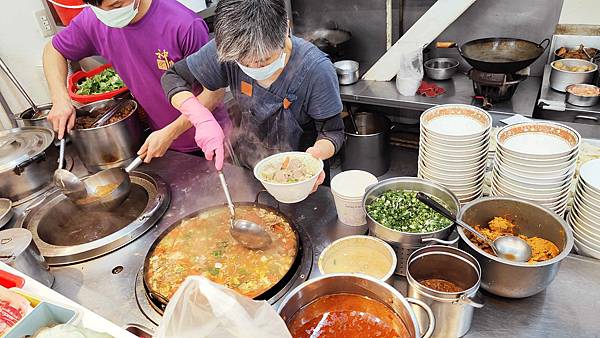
[{"x": 348, "y": 189}]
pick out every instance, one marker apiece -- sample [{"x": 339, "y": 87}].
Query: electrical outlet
[{"x": 45, "y": 23}]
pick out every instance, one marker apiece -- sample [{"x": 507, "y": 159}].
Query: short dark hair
[
  {"x": 249, "y": 29},
  {"x": 96, "y": 3}
]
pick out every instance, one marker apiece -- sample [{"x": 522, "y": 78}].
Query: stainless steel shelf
[{"x": 459, "y": 89}]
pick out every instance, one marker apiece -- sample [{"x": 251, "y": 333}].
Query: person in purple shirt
[{"x": 142, "y": 39}]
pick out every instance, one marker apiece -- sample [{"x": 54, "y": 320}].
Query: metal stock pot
[
  {"x": 109, "y": 146},
  {"x": 27, "y": 161},
  {"x": 361, "y": 285},
  {"x": 405, "y": 243},
  {"x": 449, "y": 264}
]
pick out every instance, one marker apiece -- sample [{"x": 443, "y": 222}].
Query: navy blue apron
[{"x": 267, "y": 123}]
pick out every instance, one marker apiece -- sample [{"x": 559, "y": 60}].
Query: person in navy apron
[{"x": 284, "y": 88}]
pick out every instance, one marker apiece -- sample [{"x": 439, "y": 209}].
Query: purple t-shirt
[{"x": 140, "y": 53}]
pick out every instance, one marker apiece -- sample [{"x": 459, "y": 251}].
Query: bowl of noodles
[{"x": 289, "y": 177}]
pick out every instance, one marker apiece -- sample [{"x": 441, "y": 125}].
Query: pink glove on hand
[{"x": 209, "y": 135}]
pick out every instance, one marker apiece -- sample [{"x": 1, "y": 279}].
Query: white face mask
[
  {"x": 265, "y": 72},
  {"x": 118, "y": 17}
]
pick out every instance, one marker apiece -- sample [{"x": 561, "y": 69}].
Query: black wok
[{"x": 499, "y": 55}]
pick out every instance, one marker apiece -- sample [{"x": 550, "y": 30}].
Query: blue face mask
[
  {"x": 118, "y": 17},
  {"x": 265, "y": 72}
]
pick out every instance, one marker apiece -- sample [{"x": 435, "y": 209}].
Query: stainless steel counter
[
  {"x": 568, "y": 308},
  {"x": 459, "y": 89}
]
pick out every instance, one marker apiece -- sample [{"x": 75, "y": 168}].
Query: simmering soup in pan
[{"x": 202, "y": 245}]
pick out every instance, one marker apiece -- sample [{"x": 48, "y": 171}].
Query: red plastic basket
[{"x": 75, "y": 77}]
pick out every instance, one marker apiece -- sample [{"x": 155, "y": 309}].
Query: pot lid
[
  {"x": 13, "y": 242},
  {"x": 20, "y": 144}
]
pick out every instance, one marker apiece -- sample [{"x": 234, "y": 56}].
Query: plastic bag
[
  {"x": 201, "y": 308},
  {"x": 410, "y": 72}
]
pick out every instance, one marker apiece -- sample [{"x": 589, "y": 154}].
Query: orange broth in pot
[
  {"x": 202, "y": 245},
  {"x": 346, "y": 315}
]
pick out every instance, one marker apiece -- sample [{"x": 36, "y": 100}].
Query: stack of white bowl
[
  {"x": 584, "y": 217},
  {"x": 453, "y": 148},
  {"x": 536, "y": 161}
]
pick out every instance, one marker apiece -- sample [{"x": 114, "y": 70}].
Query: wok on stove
[{"x": 200, "y": 244}]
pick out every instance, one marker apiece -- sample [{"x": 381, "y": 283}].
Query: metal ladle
[
  {"x": 512, "y": 248},
  {"x": 65, "y": 180},
  {"x": 248, "y": 234},
  {"x": 117, "y": 177}
]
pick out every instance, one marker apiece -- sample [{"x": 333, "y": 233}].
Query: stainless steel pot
[
  {"x": 511, "y": 279},
  {"x": 369, "y": 150},
  {"x": 581, "y": 100},
  {"x": 27, "y": 119},
  {"x": 456, "y": 308},
  {"x": 441, "y": 68},
  {"x": 361, "y": 285},
  {"x": 28, "y": 159},
  {"x": 560, "y": 79},
  {"x": 347, "y": 71},
  {"x": 405, "y": 243},
  {"x": 18, "y": 250},
  {"x": 109, "y": 146}
]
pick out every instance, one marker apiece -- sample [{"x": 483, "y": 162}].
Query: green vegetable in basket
[
  {"x": 402, "y": 211},
  {"x": 105, "y": 81}
]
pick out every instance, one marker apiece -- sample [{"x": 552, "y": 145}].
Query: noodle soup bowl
[{"x": 293, "y": 192}]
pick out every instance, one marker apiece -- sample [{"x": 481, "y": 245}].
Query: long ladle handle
[
  {"x": 134, "y": 164},
  {"x": 227, "y": 195},
  {"x": 61, "y": 153},
  {"x": 18, "y": 85},
  {"x": 430, "y": 202}
]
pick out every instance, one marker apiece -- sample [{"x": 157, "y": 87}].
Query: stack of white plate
[
  {"x": 536, "y": 161},
  {"x": 584, "y": 217},
  {"x": 453, "y": 148}
]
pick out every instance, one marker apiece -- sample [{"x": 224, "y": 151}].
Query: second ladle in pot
[
  {"x": 512, "y": 248},
  {"x": 248, "y": 234}
]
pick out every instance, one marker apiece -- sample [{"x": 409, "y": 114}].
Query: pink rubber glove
[{"x": 209, "y": 135}]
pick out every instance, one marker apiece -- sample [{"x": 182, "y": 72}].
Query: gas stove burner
[{"x": 495, "y": 87}]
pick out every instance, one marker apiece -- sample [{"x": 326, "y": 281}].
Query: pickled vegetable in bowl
[
  {"x": 290, "y": 169},
  {"x": 577, "y": 68}
]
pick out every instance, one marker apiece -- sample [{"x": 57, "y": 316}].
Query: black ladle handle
[{"x": 430, "y": 202}]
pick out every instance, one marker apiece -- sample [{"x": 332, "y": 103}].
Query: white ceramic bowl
[
  {"x": 549, "y": 202},
  {"x": 452, "y": 157},
  {"x": 529, "y": 188},
  {"x": 580, "y": 228},
  {"x": 584, "y": 219},
  {"x": 586, "y": 207},
  {"x": 455, "y": 179},
  {"x": 590, "y": 174},
  {"x": 537, "y": 168},
  {"x": 453, "y": 163},
  {"x": 361, "y": 250},
  {"x": 585, "y": 196},
  {"x": 588, "y": 241},
  {"x": 288, "y": 192},
  {"x": 467, "y": 142},
  {"x": 460, "y": 151},
  {"x": 458, "y": 170},
  {"x": 467, "y": 198},
  {"x": 538, "y": 175},
  {"x": 456, "y": 121},
  {"x": 476, "y": 144},
  {"x": 552, "y": 163},
  {"x": 554, "y": 182},
  {"x": 538, "y": 140},
  {"x": 456, "y": 186},
  {"x": 582, "y": 225},
  {"x": 530, "y": 184},
  {"x": 585, "y": 250},
  {"x": 588, "y": 191}
]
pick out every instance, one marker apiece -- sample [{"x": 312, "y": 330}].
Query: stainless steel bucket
[
  {"x": 369, "y": 150},
  {"x": 456, "y": 308},
  {"x": 109, "y": 146},
  {"x": 18, "y": 250}
]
